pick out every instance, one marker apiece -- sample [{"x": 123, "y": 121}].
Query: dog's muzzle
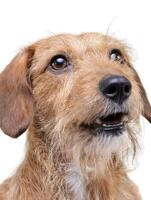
[{"x": 116, "y": 89}]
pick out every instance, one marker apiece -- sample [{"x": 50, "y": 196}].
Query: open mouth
[{"x": 113, "y": 124}]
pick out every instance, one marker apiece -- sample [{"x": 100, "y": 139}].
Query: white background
[{"x": 22, "y": 22}]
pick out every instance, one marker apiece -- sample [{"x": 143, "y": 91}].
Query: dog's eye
[
  {"x": 116, "y": 55},
  {"x": 58, "y": 62}
]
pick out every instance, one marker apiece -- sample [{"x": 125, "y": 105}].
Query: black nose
[{"x": 116, "y": 88}]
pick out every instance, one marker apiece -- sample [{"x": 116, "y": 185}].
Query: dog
[{"x": 81, "y": 100}]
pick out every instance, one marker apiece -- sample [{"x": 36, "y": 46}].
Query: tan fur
[{"x": 63, "y": 162}]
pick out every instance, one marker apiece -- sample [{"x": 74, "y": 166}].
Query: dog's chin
[{"x": 110, "y": 125}]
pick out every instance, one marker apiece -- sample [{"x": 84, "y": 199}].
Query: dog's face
[{"x": 81, "y": 88}]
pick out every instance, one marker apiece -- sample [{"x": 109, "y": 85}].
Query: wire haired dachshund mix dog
[{"x": 81, "y": 100}]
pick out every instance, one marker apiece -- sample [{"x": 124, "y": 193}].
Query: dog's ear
[
  {"x": 147, "y": 107},
  {"x": 16, "y": 103}
]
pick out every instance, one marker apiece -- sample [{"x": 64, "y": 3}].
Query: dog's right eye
[{"x": 58, "y": 63}]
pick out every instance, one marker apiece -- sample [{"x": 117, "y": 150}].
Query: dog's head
[{"x": 82, "y": 87}]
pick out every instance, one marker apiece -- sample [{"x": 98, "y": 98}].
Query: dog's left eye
[
  {"x": 116, "y": 55},
  {"x": 58, "y": 62}
]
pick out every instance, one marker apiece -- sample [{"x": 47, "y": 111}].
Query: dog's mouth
[{"x": 112, "y": 124}]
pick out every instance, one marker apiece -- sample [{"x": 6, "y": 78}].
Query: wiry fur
[{"x": 62, "y": 161}]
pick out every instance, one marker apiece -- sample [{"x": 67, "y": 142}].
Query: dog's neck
[{"x": 56, "y": 171}]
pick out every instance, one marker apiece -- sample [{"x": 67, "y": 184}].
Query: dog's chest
[
  {"x": 84, "y": 189},
  {"x": 75, "y": 183}
]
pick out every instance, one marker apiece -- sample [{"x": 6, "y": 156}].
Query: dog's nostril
[
  {"x": 111, "y": 91},
  {"x": 116, "y": 88},
  {"x": 127, "y": 89}
]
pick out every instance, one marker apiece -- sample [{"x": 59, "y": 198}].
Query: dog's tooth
[
  {"x": 98, "y": 121},
  {"x": 106, "y": 125},
  {"x": 112, "y": 125}
]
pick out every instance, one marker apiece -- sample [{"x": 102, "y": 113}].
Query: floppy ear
[
  {"x": 16, "y": 103},
  {"x": 147, "y": 107}
]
